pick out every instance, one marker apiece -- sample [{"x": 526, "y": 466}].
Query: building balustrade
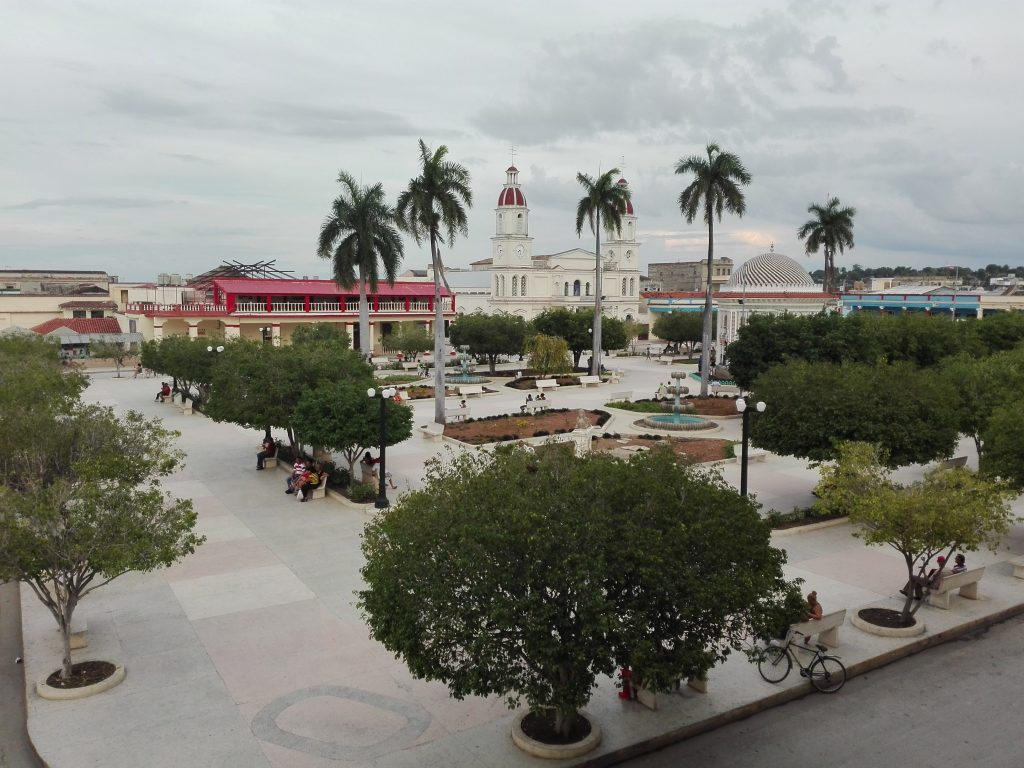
[{"x": 346, "y": 307}]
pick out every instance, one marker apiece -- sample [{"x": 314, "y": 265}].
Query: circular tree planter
[
  {"x": 104, "y": 674},
  {"x": 589, "y": 736},
  {"x": 884, "y": 622}
]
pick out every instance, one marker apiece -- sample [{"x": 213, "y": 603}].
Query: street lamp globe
[
  {"x": 209, "y": 349},
  {"x": 371, "y": 392},
  {"x": 741, "y": 405}
]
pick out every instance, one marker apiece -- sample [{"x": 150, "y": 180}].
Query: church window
[
  {"x": 496, "y": 284},
  {"x": 522, "y": 285},
  {"x": 623, "y": 286},
  {"x": 566, "y": 290},
  {"x": 632, "y": 286},
  {"x": 629, "y": 255},
  {"x": 576, "y": 288},
  {"x": 629, "y": 231},
  {"x": 588, "y": 289},
  {"x": 515, "y": 285},
  {"x": 502, "y": 285},
  {"x": 519, "y": 224},
  {"x": 501, "y": 221}
]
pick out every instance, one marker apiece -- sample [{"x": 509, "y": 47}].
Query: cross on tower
[
  {"x": 512, "y": 149},
  {"x": 622, "y": 166}
]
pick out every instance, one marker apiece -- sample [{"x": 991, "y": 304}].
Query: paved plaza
[{"x": 251, "y": 653}]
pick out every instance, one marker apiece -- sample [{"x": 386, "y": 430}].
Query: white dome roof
[{"x": 771, "y": 272}]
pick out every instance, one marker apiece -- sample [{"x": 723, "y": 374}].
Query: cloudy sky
[{"x": 143, "y": 137}]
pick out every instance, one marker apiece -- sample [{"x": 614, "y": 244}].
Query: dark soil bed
[
  {"x": 425, "y": 393},
  {"x": 530, "y": 382},
  {"x": 693, "y": 450},
  {"x": 807, "y": 519},
  {"x": 713, "y": 406},
  {"x": 493, "y": 430},
  {"x": 542, "y": 728},
  {"x": 885, "y": 617},
  {"x": 82, "y": 674}
]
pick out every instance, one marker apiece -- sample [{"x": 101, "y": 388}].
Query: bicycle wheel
[
  {"x": 774, "y": 664},
  {"x": 827, "y": 674}
]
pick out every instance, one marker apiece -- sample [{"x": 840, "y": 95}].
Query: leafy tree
[
  {"x": 81, "y": 504},
  {"x": 108, "y": 350},
  {"x": 360, "y": 237},
  {"x": 1003, "y": 437},
  {"x": 950, "y": 510},
  {"x": 831, "y": 229},
  {"x": 32, "y": 377},
  {"x": 535, "y": 593},
  {"x": 321, "y": 333},
  {"x": 603, "y": 198},
  {"x": 813, "y": 406},
  {"x": 433, "y": 206},
  {"x": 411, "y": 339},
  {"x": 716, "y": 186},
  {"x": 342, "y": 418},
  {"x": 633, "y": 330},
  {"x": 575, "y": 328},
  {"x": 188, "y": 361},
  {"x": 489, "y": 335},
  {"x": 999, "y": 331},
  {"x": 680, "y": 328},
  {"x": 547, "y": 355},
  {"x": 982, "y": 386}
]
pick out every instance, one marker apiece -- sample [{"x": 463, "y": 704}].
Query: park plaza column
[{"x": 193, "y": 330}]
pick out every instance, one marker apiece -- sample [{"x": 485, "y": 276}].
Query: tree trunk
[
  {"x": 67, "y": 610},
  {"x": 364, "y": 320},
  {"x": 493, "y": 362},
  {"x": 705, "y": 349},
  {"x": 438, "y": 335},
  {"x": 595, "y": 357},
  {"x": 564, "y": 718}
]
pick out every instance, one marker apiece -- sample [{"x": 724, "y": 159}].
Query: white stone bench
[
  {"x": 469, "y": 390},
  {"x": 456, "y": 414},
  {"x": 537, "y": 406},
  {"x": 589, "y": 381},
  {"x": 79, "y": 633},
  {"x": 826, "y": 628},
  {"x": 320, "y": 492},
  {"x": 622, "y": 396},
  {"x": 966, "y": 582},
  {"x": 1018, "y": 567},
  {"x": 724, "y": 389},
  {"x": 432, "y": 431},
  {"x": 186, "y": 408},
  {"x": 667, "y": 359},
  {"x": 379, "y": 362},
  {"x": 543, "y": 384},
  {"x": 957, "y": 463},
  {"x": 410, "y": 366},
  {"x": 615, "y": 376}
]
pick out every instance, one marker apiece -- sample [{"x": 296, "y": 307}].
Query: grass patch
[{"x": 639, "y": 407}]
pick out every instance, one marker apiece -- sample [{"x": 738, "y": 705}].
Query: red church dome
[{"x": 629, "y": 203}]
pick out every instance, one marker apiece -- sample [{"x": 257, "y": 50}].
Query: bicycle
[{"x": 827, "y": 673}]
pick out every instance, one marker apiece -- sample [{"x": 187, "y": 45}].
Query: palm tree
[
  {"x": 606, "y": 199},
  {"x": 360, "y": 236},
  {"x": 715, "y": 187},
  {"x": 831, "y": 228},
  {"x": 434, "y": 208}
]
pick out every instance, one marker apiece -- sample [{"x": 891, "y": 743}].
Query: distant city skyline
[{"x": 140, "y": 138}]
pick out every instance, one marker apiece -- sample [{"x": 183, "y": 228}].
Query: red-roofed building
[
  {"x": 79, "y": 325},
  {"x": 271, "y": 309}
]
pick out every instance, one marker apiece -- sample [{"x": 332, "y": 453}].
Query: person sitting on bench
[
  {"x": 164, "y": 393},
  {"x": 268, "y": 451},
  {"x": 309, "y": 481}
]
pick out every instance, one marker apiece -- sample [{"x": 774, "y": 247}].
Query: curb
[{"x": 792, "y": 694}]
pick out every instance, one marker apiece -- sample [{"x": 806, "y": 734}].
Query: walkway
[{"x": 251, "y": 653}]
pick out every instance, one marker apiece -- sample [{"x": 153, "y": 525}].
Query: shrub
[
  {"x": 640, "y": 406},
  {"x": 541, "y": 433},
  {"x": 730, "y": 451},
  {"x": 362, "y": 493}
]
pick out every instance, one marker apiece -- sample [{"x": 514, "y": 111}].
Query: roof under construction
[{"x": 235, "y": 269}]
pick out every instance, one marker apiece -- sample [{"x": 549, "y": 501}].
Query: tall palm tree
[
  {"x": 716, "y": 186},
  {"x": 433, "y": 208},
  {"x": 830, "y": 229},
  {"x": 360, "y": 236},
  {"x": 605, "y": 199}
]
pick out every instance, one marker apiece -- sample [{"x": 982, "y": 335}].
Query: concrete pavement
[{"x": 251, "y": 652}]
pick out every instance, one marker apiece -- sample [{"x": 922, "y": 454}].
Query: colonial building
[{"x": 688, "y": 275}]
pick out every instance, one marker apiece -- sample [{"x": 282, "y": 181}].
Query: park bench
[
  {"x": 1018, "y": 567},
  {"x": 724, "y": 389},
  {"x": 543, "y": 384},
  {"x": 79, "y": 633},
  {"x": 826, "y": 628},
  {"x": 455, "y": 414},
  {"x": 537, "y": 405},
  {"x": 186, "y": 408},
  {"x": 615, "y": 376},
  {"x": 410, "y": 366},
  {"x": 469, "y": 390},
  {"x": 380, "y": 362},
  {"x": 589, "y": 381},
  {"x": 966, "y": 582},
  {"x": 666, "y": 359},
  {"x": 622, "y": 396},
  {"x": 320, "y": 492},
  {"x": 956, "y": 463},
  {"x": 432, "y": 431}
]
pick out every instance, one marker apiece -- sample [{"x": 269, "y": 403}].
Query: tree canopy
[
  {"x": 489, "y": 335},
  {"x": 547, "y": 355},
  {"x": 679, "y": 327},
  {"x": 831, "y": 230},
  {"x": 533, "y": 594},
  {"x": 576, "y": 328}
]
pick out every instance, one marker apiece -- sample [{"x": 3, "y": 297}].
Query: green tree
[
  {"x": 535, "y": 593},
  {"x": 109, "y": 350},
  {"x": 813, "y": 406},
  {"x": 680, "y": 328},
  {"x": 632, "y": 329},
  {"x": 81, "y": 504},
  {"x": 433, "y": 207},
  {"x": 603, "y": 199},
  {"x": 489, "y": 335},
  {"x": 321, "y": 333},
  {"x": 360, "y": 237},
  {"x": 32, "y": 378},
  {"x": 188, "y": 361},
  {"x": 982, "y": 386},
  {"x": 576, "y": 328},
  {"x": 410, "y": 339},
  {"x": 547, "y": 355},
  {"x": 950, "y": 510},
  {"x": 342, "y": 418},
  {"x": 999, "y": 331},
  {"x": 831, "y": 229},
  {"x": 1003, "y": 437},
  {"x": 716, "y": 187}
]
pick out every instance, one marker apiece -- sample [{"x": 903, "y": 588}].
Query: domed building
[{"x": 769, "y": 283}]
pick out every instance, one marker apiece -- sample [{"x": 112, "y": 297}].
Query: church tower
[
  {"x": 512, "y": 245},
  {"x": 621, "y": 249}
]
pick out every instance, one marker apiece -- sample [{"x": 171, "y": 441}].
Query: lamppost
[
  {"x": 384, "y": 395},
  {"x": 204, "y": 389},
  {"x": 742, "y": 407}
]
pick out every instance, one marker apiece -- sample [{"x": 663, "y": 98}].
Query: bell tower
[{"x": 512, "y": 245}]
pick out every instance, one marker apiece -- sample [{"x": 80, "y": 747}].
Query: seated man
[
  {"x": 164, "y": 392},
  {"x": 267, "y": 451},
  {"x": 310, "y": 480},
  {"x": 298, "y": 470},
  {"x": 930, "y": 581}
]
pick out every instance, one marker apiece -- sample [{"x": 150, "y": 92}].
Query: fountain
[
  {"x": 465, "y": 374},
  {"x": 677, "y": 420}
]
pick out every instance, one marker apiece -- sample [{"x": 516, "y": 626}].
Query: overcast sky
[{"x": 142, "y": 137}]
